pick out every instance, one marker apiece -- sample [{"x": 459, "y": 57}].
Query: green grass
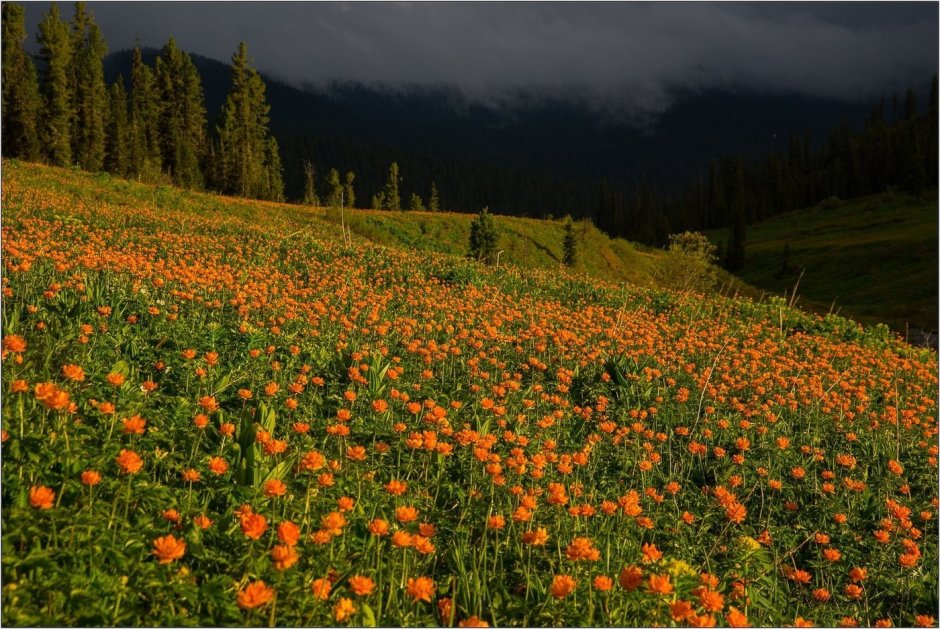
[{"x": 874, "y": 258}]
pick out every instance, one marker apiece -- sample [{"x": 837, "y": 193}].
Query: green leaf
[{"x": 368, "y": 616}]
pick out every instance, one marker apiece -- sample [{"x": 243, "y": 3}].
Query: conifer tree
[
  {"x": 88, "y": 91},
  {"x": 415, "y": 204},
  {"x": 182, "y": 118},
  {"x": 310, "y": 185},
  {"x": 378, "y": 201},
  {"x": 390, "y": 196},
  {"x": 348, "y": 191},
  {"x": 144, "y": 135},
  {"x": 55, "y": 113},
  {"x": 243, "y": 134},
  {"x": 21, "y": 102},
  {"x": 117, "y": 159},
  {"x": 569, "y": 245},
  {"x": 334, "y": 189},
  {"x": 483, "y": 237},
  {"x": 434, "y": 201},
  {"x": 273, "y": 172}
]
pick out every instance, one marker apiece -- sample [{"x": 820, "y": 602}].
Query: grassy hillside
[
  {"x": 875, "y": 257},
  {"x": 217, "y": 413}
]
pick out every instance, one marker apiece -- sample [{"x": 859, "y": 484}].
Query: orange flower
[
  {"x": 537, "y": 537},
  {"x": 736, "y": 618},
  {"x": 563, "y": 585},
  {"x": 406, "y": 514},
  {"x": 288, "y": 533},
  {"x": 421, "y": 589},
  {"x": 496, "y": 522},
  {"x": 73, "y": 372},
  {"x": 129, "y": 462},
  {"x": 191, "y": 476},
  {"x": 334, "y": 521},
  {"x": 255, "y": 594},
  {"x": 852, "y": 591},
  {"x": 168, "y": 548},
  {"x": 133, "y": 425},
  {"x": 581, "y": 549},
  {"x": 345, "y": 503},
  {"x": 651, "y": 554},
  {"x": 254, "y": 525},
  {"x": 396, "y": 487},
  {"x": 41, "y": 497},
  {"x": 710, "y": 600},
  {"x": 473, "y": 621},
  {"x": 659, "y": 584},
  {"x": 115, "y": 379},
  {"x": 360, "y": 585},
  {"x": 275, "y": 488},
  {"x": 202, "y": 521},
  {"x": 90, "y": 478},
  {"x": 681, "y": 610},
  {"x": 14, "y": 343},
  {"x": 209, "y": 405},
  {"x": 343, "y": 609},
  {"x": 283, "y": 556},
  {"x": 378, "y": 527},
  {"x": 402, "y": 539},
  {"x": 321, "y": 588},
  {"x": 218, "y": 465},
  {"x": 603, "y": 583},
  {"x": 630, "y": 578}
]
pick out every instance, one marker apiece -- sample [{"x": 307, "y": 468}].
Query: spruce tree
[
  {"x": 569, "y": 244},
  {"x": 348, "y": 191},
  {"x": 273, "y": 172},
  {"x": 390, "y": 196},
  {"x": 55, "y": 114},
  {"x": 117, "y": 158},
  {"x": 334, "y": 189},
  {"x": 182, "y": 117},
  {"x": 144, "y": 123},
  {"x": 88, "y": 91},
  {"x": 434, "y": 201},
  {"x": 243, "y": 134},
  {"x": 483, "y": 237},
  {"x": 415, "y": 204},
  {"x": 21, "y": 102},
  {"x": 310, "y": 185}
]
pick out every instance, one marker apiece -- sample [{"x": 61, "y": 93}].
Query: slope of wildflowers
[{"x": 219, "y": 417}]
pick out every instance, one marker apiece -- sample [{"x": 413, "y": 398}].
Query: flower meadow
[{"x": 216, "y": 412}]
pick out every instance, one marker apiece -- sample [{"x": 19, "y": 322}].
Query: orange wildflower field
[{"x": 215, "y": 412}]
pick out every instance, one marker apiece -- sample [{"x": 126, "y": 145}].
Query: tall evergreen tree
[
  {"x": 55, "y": 115},
  {"x": 182, "y": 119},
  {"x": 390, "y": 196},
  {"x": 483, "y": 237},
  {"x": 144, "y": 123},
  {"x": 334, "y": 189},
  {"x": 243, "y": 132},
  {"x": 117, "y": 158},
  {"x": 415, "y": 204},
  {"x": 21, "y": 102},
  {"x": 273, "y": 172},
  {"x": 348, "y": 190},
  {"x": 434, "y": 201},
  {"x": 88, "y": 91},
  {"x": 310, "y": 185},
  {"x": 569, "y": 245}
]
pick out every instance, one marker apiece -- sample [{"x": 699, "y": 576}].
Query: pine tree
[
  {"x": 334, "y": 187},
  {"x": 243, "y": 133},
  {"x": 434, "y": 201},
  {"x": 21, "y": 102},
  {"x": 348, "y": 191},
  {"x": 182, "y": 119},
  {"x": 144, "y": 123},
  {"x": 483, "y": 237},
  {"x": 88, "y": 91},
  {"x": 117, "y": 158},
  {"x": 569, "y": 244},
  {"x": 273, "y": 172},
  {"x": 310, "y": 185},
  {"x": 55, "y": 115},
  {"x": 378, "y": 201},
  {"x": 415, "y": 204},
  {"x": 391, "y": 198}
]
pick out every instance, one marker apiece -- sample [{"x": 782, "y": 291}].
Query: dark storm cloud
[{"x": 636, "y": 53}]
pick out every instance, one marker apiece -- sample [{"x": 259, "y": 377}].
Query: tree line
[{"x": 64, "y": 113}]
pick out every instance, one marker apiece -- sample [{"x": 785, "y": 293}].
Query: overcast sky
[{"x": 635, "y": 52}]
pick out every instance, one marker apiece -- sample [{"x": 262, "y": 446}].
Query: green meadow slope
[{"x": 873, "y": 259}]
